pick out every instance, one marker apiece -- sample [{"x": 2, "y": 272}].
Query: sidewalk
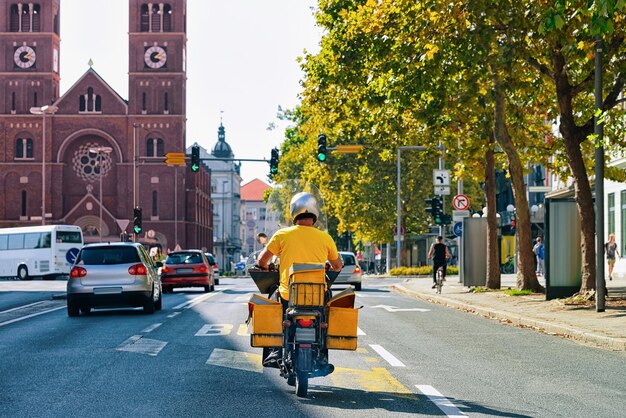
[{"x": 582, "y": 324}]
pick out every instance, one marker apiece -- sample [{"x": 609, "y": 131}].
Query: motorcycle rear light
[
  {"x": 305, "y": 323},
  {"x": 78, "y": 272},
  {"x": 286, "y": 324},
  {"x": 137, "y": 270},
  {"x": 324, "y": 325},
  {"x": 305, "y": 345},
  {"x": 357, "y": 269}
]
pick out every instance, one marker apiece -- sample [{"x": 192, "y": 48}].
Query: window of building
[
  {"x": 155, "y": 200},
  {"x": 35, "y": 104},
  {"x": 90, "y": 102},
  {"x": 144, "y": 100},
  {"x": 23, "y": 148},
  {"x": 155, "y": 17},
  {"x": 262, "y": 213},
  {"x": 623, "y": 221},
  {"x": 166, "y": 104},
  {"x": 24, "y": 195},
  {"x": 144, "y": 22},
  {"x": 13, "y": 102},
  {"x": 25, "y": 17},
  {"x": 154, "y": 147},
  {"x": 611, "y": 207}
]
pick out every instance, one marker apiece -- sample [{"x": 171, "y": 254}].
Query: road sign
[
  {"x": 442, "y": 190},
  {"x": 460, "y": 202},
  {"x": 458, "y": 215},
  {"x": 395, "y": 230},
  {"x": 441, "y": 178},
  {"x": 175, "y": 158},
  {"x": 348, "y": 149},
  {"x": 458, "y": 229}
]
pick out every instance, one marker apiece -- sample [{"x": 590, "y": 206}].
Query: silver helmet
[{"x": 304, "y": 205}]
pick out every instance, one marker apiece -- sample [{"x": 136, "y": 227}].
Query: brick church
[{"x": 90, "y": 156}]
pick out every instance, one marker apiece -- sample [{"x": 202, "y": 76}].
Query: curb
[{"x": 615, "y": 344}]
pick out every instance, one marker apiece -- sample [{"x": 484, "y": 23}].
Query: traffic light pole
[{"x": 398, "y": 203}]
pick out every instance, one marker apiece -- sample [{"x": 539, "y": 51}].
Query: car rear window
[
  {"x": 184, "y": 258},
  {"x": 348, "y": 260},
  {"x": 108, "y": 255}
]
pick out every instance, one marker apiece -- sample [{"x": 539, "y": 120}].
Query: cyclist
[
  {"x": 440, "y": 255},
  {"x": 300, "y": 243}
]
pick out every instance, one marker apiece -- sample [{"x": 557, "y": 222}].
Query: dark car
[
  {"x": 111, "y": 275},
  {"x": 187, "y": 268}
]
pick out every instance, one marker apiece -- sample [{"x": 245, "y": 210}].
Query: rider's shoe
[
  {"x": 434, "y": 285},
  {"x": 324, "y": 370}
]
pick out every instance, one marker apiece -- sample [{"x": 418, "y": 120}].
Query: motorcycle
[{"x": 312, "y": 323}]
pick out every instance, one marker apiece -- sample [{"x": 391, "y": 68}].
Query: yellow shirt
[{"x": 300, "y": 244}]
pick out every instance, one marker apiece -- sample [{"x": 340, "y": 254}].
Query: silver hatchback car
[
  {"x": 112, "y": 275},
  {"x": 351, "y": 272}
]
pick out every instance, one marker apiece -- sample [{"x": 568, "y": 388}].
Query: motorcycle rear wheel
[{"x": 302, "y": 384}]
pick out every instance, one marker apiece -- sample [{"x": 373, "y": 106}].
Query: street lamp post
[
  {"x": 398, "y": 211},
  {"x": 224, "y": 183},
  {"x": 100, "y": 151},
  {"x": 43, "y": 111}
]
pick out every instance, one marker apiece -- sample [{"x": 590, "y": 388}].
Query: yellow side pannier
[
  {"x": 266, "y": 322},
  {"x": 343, "y": 321}
]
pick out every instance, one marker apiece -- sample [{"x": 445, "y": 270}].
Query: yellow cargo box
[
  {"x": 307, "y": 273},
  {"x": 342, "y": 328},
  {"x": 267, "y": 322},
  {"x": 307, "y": 294}
]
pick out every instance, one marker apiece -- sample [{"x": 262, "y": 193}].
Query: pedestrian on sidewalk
[
  {"x": 611, "y": 250},
  {"x": 538, "y": 250},
  {"x": 440, "y": 255}
]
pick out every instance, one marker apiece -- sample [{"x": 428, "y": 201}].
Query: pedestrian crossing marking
[
  {"x": 378, "y": 379},
  {"x": 239, "y": 360}
]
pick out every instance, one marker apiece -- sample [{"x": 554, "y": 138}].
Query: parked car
[
  {"x": 216, "y": 269},
  {"x": 108, "y": 275},
  {"x": 187, "y": 268},
  {"x": 351, "y": 271}
]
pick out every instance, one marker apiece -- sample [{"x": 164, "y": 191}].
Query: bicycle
[{"x": 440, "y": 280}]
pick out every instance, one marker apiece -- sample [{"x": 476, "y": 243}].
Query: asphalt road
[{"x": 193, "y": 359}]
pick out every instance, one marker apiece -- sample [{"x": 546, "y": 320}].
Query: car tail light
[
  {"x": 164, "y": 269},
  {"x": 202, "y": 269},
  {"x": 305, "y": 323},
  {"x": 357, "y": 269},
  {"x": 78, "y": 272},
  {"x": 137, "y": 270}
]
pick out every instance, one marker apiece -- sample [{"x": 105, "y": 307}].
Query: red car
[{"x": 187, "y": 268}]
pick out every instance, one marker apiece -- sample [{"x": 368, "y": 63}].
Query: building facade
[
  {"x": 256, "y": 217},
  {"x": 90, "y": 156}
]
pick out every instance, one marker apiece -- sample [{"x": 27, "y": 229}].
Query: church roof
[
  {"x": 98, "y": 80},
  {"x": 253, "y": 190},
  {"x": 221, "y": 149}
]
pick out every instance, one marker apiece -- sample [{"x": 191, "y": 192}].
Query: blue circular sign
[
  {"x": 458, "y": 229},
  {"x": 71, "y": 255}
]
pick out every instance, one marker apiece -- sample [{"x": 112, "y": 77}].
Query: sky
[{"x": 241, "y": 65}]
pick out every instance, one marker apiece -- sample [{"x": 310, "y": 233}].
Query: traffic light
[
  {"x": 195, "y": 158},
  {"x": 321, "y": 148},
  {"x": 137, "y": 220},
  {"x": 274, "y": 162},
  {"x": 435, "y": 209}
]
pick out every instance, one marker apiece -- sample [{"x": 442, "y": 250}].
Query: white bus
[{"x": 45, "y": 251}]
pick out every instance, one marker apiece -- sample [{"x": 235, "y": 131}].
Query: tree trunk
[
  {"x": 526, "y": 275},
  {"x": 573, "y": 136},
  {"x": 493, "y": 262}
]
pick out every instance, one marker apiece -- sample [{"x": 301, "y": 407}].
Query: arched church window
[
  {"x": 155, "y": 18},
  {"x": 14, "y": 24},
  {"x": 154, "y": 147},
  {"x": 144, "y": 23},
  {"x": 36, "y": 18},
  {"x": 82, "y": 105},
  {"x": 24, "y": 200},
  {"x": 90, "y": 102},
  {"x": 155, "y": 200},
  {"x": 26, "y": 18},
  {"x": 23, "y": 148},
  {"x": 167, "y": 18}
]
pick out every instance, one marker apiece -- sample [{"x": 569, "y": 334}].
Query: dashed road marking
[
  {"x": 193, "y": 302},
  {"x": 441, "y": 401},
  {"x": 173, "y": 314},
  {"x": 151, "y": 328},
  {"x": 240, "y": 360},
  {"x": 390, "y": 358}
]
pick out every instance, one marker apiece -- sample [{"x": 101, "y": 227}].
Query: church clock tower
[{"x": 29, "y": 40}]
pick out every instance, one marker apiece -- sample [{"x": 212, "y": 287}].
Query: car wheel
[
  {"x": 22, "y": 273},
  {"x": 149, "y": 305},
  {"x": 207, "y": 288},
  {"x": 357, "y": 286},
  {"x": 85, "y": 309},
  {"x": 159, "y": 303},
  {"x": 217, "y": 281},
  {"x": 72, "y": 309}
]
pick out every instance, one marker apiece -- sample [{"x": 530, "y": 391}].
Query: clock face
[
  {"x": 155, "y": 57},
  {"x": 24, "y": 56}
]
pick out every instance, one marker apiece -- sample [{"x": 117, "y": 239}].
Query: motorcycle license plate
[{"x": 305, "y": 335}]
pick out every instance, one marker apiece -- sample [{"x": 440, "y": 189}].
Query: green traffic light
[
  {"x": 137, "y": 230},
  {"x": 321, "y": 157},
  {"x": 195, "y": 167}
]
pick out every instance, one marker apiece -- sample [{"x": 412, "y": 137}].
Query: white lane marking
[
  {"x": 173, "y": 314},
  {"x": 213, "y": 330},
  {"x": 190, "y": 303},
  {"x": 236, "y": 360},
  {"x": 359, "y": 331},
  {"x": 441, "y": 401},
  {"x": 243, "y": 330},
  {"x": 138, "y": 344},
  {"x": 30, "y": 316},
  {"x": 390, "y": 358},
  {"x": 394, "y": 309},
  {"x": 361, "y": 295},
  {"x": 151, "y": 328},
  {"x": 22, "y": 307}
]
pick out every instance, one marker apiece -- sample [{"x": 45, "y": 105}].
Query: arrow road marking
[
  {"x": 441, "y": 401},
  {"x": 394, "y": 309}
]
